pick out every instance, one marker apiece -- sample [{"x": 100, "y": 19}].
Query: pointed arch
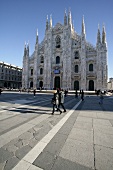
[
  {"x": 57, "y": 60},
  {"x": 90, "y": 67},
  {"x": 41, "y": 70},
  {"x": 41, "y": 59},
  {"x": 58, "y": 41},
  {"x": 76, "y": 68}
]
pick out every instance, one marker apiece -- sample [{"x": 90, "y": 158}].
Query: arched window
[
  {"x": 57, "y": 60},
  {"x": 41, "y": 70},
  {"x": 41, "y": 59},
  {"x": 76, "y": 68},
  {"x": 58, "y": 42},
  {"x": 31, "y": 71},
  {"x": 76, "y": 54},
  {"x": 90, "y": 67}
]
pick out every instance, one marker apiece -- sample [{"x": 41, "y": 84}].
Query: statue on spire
[
  {"x": 69, "y": 18},
  {"x": 47, "y": 24},
  {"x": 25, "y": 49},
  {"x": 103, "y": 35},
  {"x": 51, "y": 21},
  {"x": 65, "y": 18},
  {"x": 37, "y": 37},
  {"x": 83, "y": 25},
  {"x": 98, "y": 35}
]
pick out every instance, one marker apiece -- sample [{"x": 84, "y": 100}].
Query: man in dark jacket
[{"x": 55, "y": 102}]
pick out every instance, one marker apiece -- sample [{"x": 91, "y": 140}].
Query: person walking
[
  {"x": 61, "y": 99},
  {"x": 34, "y": 92},
  {"x": 82, "y": 95},
  {"x": 55, "y": 102},
  {"x": 101, "y": 99}
]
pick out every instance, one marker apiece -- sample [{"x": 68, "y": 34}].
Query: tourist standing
[
  {"x": 61, "y": 99},
  {"x": 82, "y": 95}
]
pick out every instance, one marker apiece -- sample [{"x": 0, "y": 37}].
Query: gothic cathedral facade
[{"x": 66, "y": 60}]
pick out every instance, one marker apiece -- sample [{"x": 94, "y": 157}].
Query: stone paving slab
[
  {"x": 88, "y": 113},
  {"x": 7, "y": 137},
  {"x": 56, "y": 144},
  {"x": 101, "y": 122},
  {"x": 65, "y": 164},
  {"x": 32, "y": 167},
  {"x": 6, "y": 124},
  {"x": 103, "y": 139},
  {"x": 83, "y": 125},
  {"x": 45, "y": 160},
  {"x": 11, "y": 163},
  {"x": 103, "y": 129},
  {"x": 84, "y": 119},
  {"x": 78, "y": 151},
  {"x": 105, "y": 115},
  {"x": 103, "y": 158},
  {"x": 81, "y": 135}
]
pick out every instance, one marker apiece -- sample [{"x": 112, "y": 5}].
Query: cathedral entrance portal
[
  {"x": 76, "y": 85},
  {"x": 57, "y": 82},
  {"x": 41, "y": 84},
  {"x": 91, "y": 85},
  {"x": 31, "y": 84}
]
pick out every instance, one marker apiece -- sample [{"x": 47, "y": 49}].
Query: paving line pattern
[{"x": 34, "y": 153}]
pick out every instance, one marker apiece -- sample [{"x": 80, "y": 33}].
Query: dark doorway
[
  {"x": 31, "y": 84},
  {"x": 91, "y": 85},
  {"x": 57, "y": 82},
  {"x": 76, "y": 85},
  {"x": 5, "y": 84},
  {"x": 41, "y": 84}
]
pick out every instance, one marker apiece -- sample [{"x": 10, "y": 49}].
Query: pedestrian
[
  {"x": 101, "y": 99},
  {"x": 61, "y": 99},
  {"x": 76, "y": 93},
  {"x": 55, "y": 102},
  {"x": 82, "y": 95},
  {"x": 34, "y": 92}
]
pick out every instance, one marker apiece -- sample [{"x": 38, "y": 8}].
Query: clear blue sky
[{"x": 19, "y": 20}]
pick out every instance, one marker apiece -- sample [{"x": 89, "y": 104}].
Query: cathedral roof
[{"x": 58, "y": 27}]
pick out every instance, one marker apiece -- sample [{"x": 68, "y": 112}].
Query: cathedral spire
[
  {"x": 50, "y": 21},
  {"x": 25, "y": 49},
  {"x": 47, "y": 24},
  {"x": 28, "y": 48},
  {"x": 65, "y": 18},
  {"x": 83, "y": 26},
  {"x": 69, "y": 18},
  {"x": 37, "y": 37},
  {"x": 98, "y": 35},
  {"x": 103, "y": 35}
]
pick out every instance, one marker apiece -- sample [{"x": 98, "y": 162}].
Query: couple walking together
[{"x": 57, "y": 100}]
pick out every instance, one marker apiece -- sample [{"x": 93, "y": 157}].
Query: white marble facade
[{"x": 66, "y": 60}]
